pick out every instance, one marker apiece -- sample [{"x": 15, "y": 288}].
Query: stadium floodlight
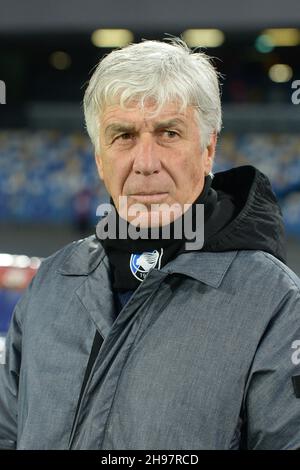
[
  {"x": 204, "y": 37},
  {"x": 264, "y": 44},
  {"x": 60, "y": 60},
  {"x": 6, "y": 259},
  {"x": 280, "y": 73},
  {"x": 2, "y": 350},
  {"x": 112, "y": 37},
  {"x": 283, "y": 37},
  {"x": 22, "y": 261}
]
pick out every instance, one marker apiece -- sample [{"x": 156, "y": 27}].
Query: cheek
[
  {"x": 115, "y": 173},
  {"x": 192, "y": 168}
]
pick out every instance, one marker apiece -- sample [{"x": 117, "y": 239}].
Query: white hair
[{"x": 162, "y": 71}]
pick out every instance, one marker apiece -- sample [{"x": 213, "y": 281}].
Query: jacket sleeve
[
  {"x": 272, "y": 399},
  {"x": 11, "y": 395},
  {"x": 9, "y": 379}
]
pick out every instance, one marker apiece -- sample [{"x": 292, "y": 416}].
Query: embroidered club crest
[{"x": 141, "y": 263}]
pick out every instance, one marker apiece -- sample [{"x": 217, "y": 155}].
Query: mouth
[{"x": 149, "y": 197}]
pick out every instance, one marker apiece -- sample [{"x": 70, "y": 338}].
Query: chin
[{"x": 163, "y": 215}]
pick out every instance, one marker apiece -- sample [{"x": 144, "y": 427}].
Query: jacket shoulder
[
  {"x": 265, "y": 267},
  {"x": 75, "y": 256}
]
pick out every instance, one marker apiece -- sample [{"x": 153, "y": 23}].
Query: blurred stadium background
[{"x": 49, "y": 188}]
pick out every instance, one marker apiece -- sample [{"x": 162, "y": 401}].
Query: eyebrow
[
  {"x": 117, "y": 127},
  {"x": 170, "y": 123}
]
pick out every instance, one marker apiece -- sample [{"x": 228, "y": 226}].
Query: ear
[
  {"x": 209, "y": 153},
  {"x": 99, "y": 165}
]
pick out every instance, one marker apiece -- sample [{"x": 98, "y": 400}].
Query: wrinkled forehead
[
  {"x": 152, "y": 103},
  {"x": 147, "y": 111}
]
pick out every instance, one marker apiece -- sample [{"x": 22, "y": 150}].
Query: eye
[
  {"x": 169, "y": 134},
  {"x": 126, "y": 136}
]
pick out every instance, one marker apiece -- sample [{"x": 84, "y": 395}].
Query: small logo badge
[{"x": 140, "y": 264}]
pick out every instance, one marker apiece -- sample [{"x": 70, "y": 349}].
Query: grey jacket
[{"x": 205, "y": 354}]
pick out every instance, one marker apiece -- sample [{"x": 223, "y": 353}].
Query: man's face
[{"x": 152, "y": 160}]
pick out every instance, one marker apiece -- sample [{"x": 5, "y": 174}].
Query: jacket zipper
[{"x": 98, "y": 340}]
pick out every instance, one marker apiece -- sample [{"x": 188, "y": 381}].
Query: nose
[{"x": 146, "y": 157}]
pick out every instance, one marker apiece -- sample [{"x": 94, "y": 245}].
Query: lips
[
  {"x": 148, "y": 193},
  {"x": 149, "y": 196}
]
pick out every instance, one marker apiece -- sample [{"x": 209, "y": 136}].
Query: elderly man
[{"x": 150, "y": 342}]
